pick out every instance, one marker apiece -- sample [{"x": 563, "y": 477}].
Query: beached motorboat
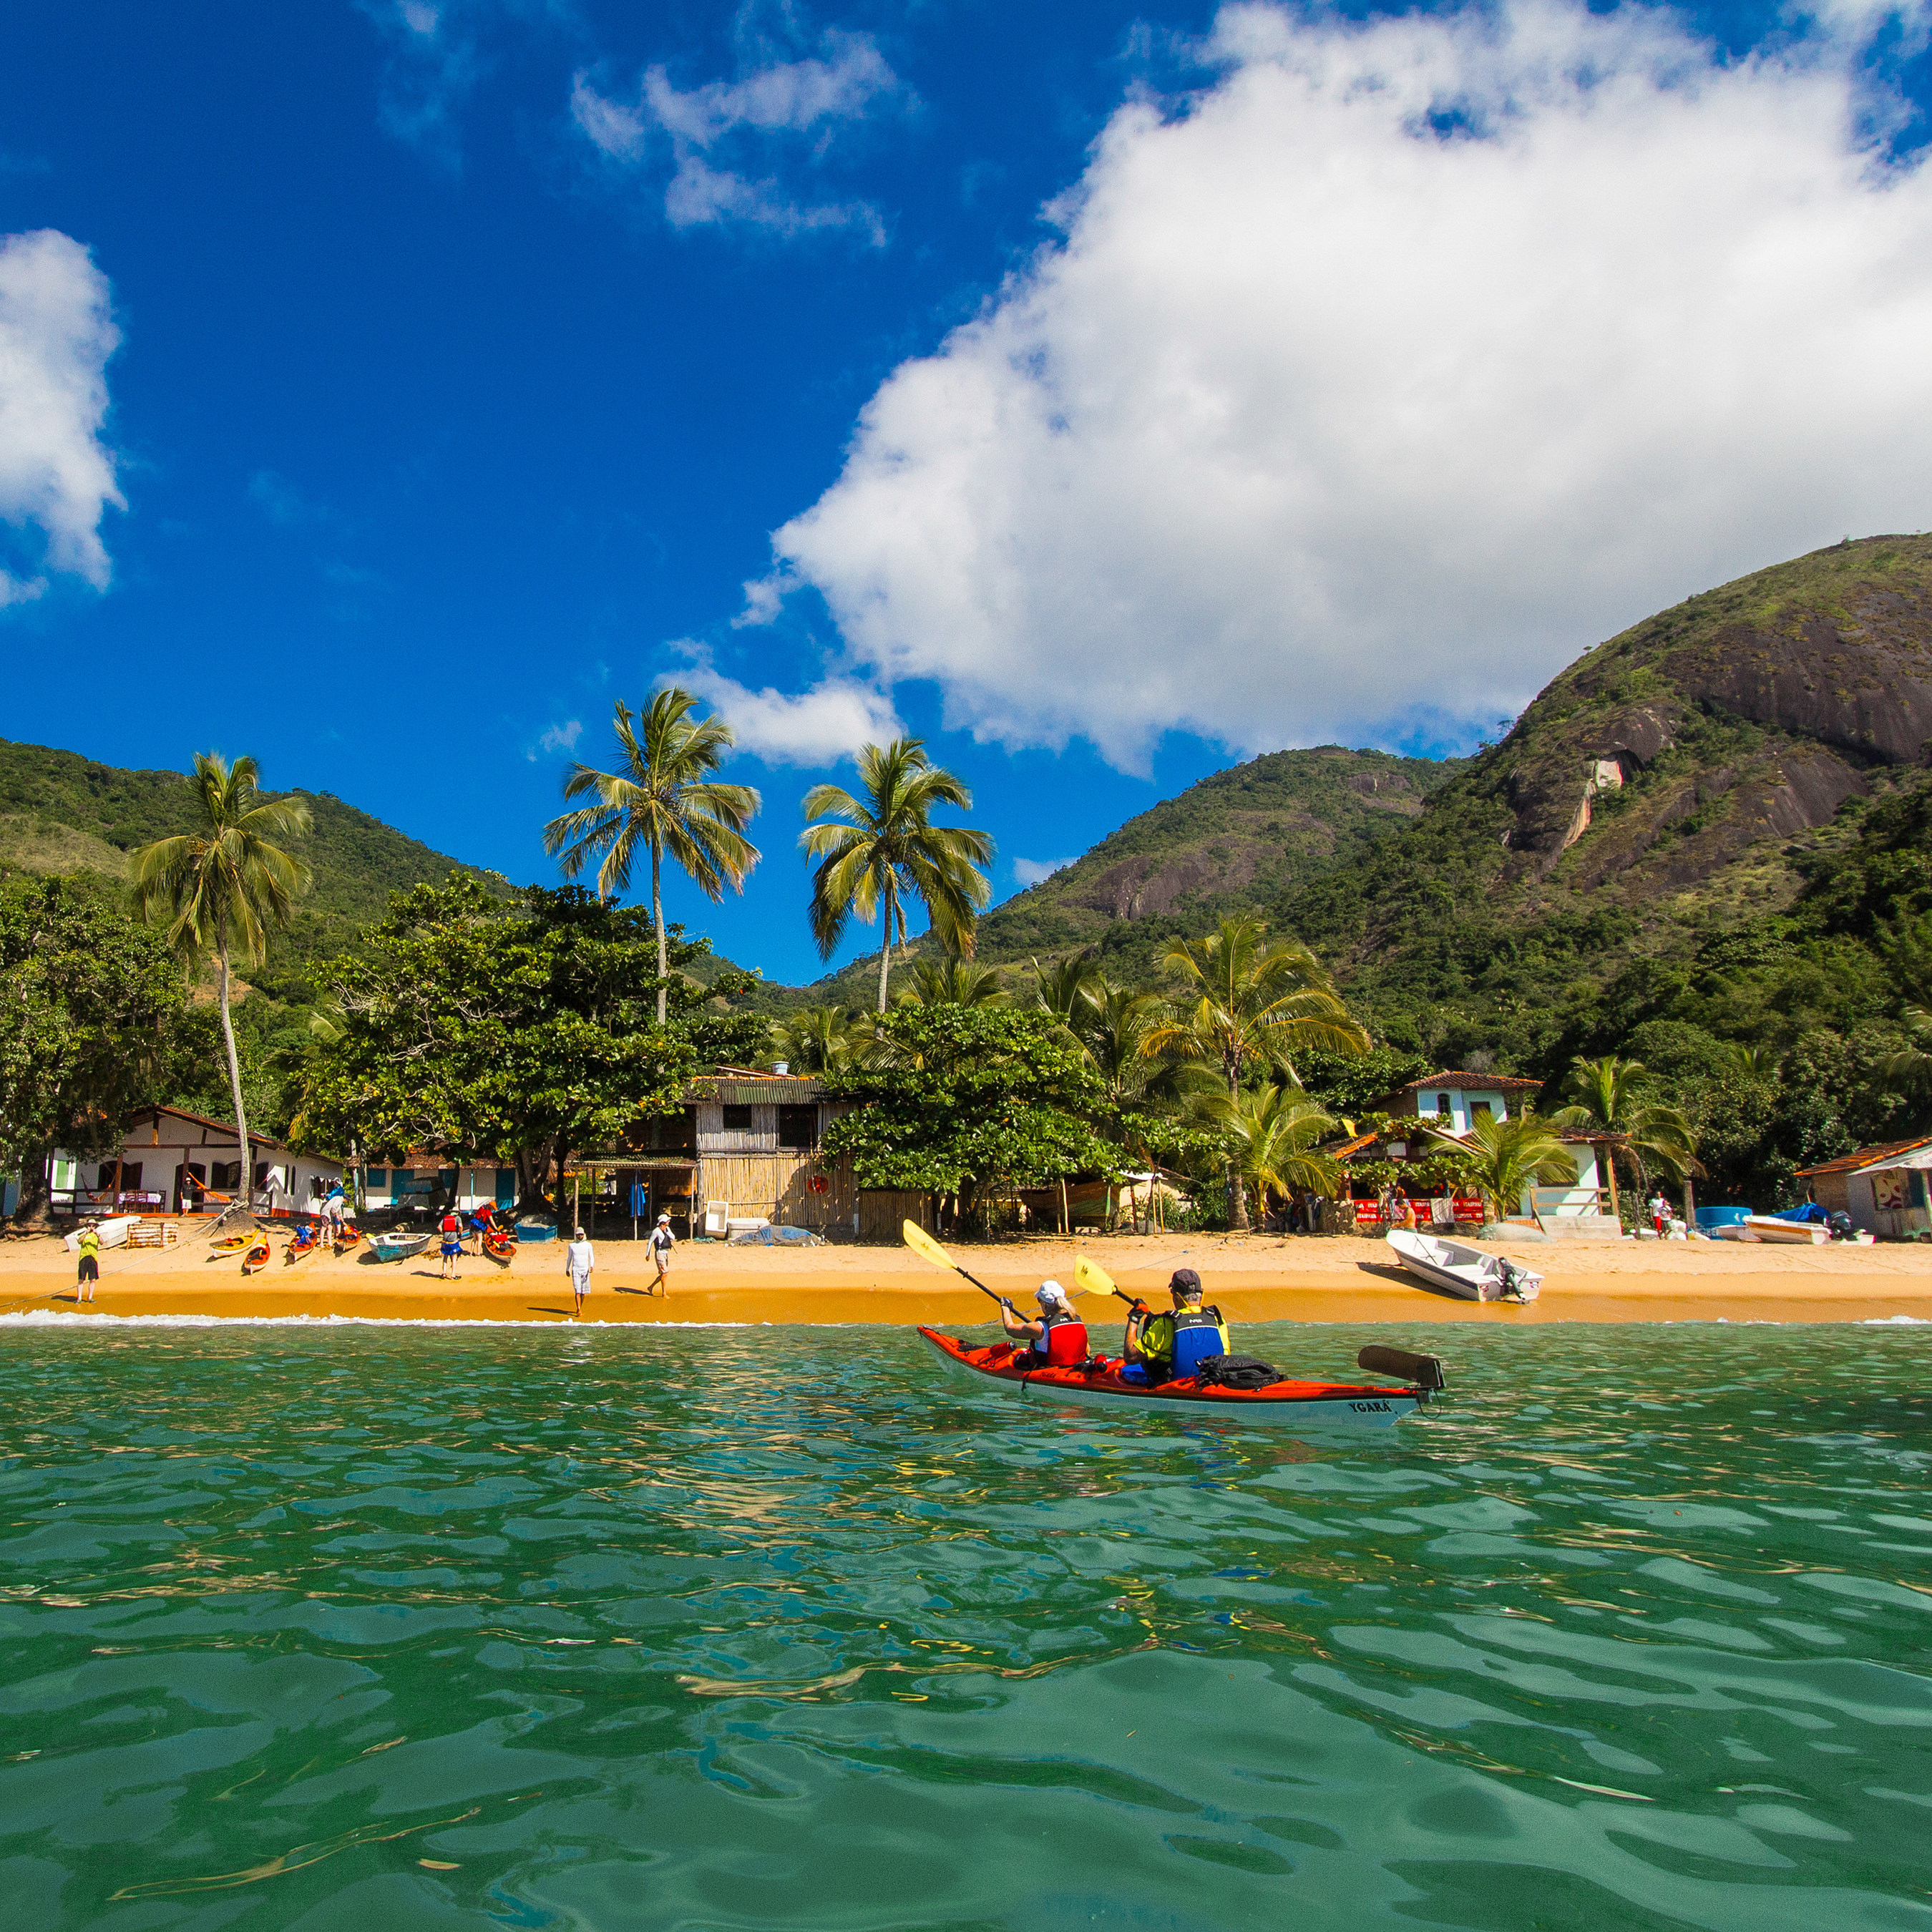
[
  {"x": 397, "y": 1247},
  {"x": 1461, "y": 1268},
  {"x": 1772, "y": 1228},
  {"x": 1287, "y": 1404}
]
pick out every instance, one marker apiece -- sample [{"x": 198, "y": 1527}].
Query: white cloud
[
  {"x": 1030, "y": 872},
  {"x": 1402, "y": 361},
  {"x": 555, "y": 738},
  {"x": 819, "y": 727},
  {"x": 56, "y": 474},
  {"x": 716, "y": 132}
]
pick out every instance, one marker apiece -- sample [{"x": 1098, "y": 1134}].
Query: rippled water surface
[{"x": 365, "y": 1627}]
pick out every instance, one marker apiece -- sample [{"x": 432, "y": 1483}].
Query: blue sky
[{"x": 1104, "y": 392}]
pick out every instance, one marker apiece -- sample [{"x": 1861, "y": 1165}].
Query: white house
[{"x": 168, "y": 1156}]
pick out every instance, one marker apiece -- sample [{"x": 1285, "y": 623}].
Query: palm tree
[
  {"x": 222, "y": 887},
  {"x": 664, "y": 799},
  {"x": 1066, "y": 988},
  {"x": 1275, "y": 1131},
  {"x": 953, "y": 981},
  {"x": 820, "y": 1039},
  {"x": 1509, "y": 1155},
  {"x": 881, "y": 848},
  {"x": 1614, "y": 1096},
  {"x": 1117, "y": 1031},
  {"x": 1252, "y": 1000}
]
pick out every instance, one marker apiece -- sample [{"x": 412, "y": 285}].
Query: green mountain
[
  {"x": 1237, "y": 839},
  {"x": 60, "y": 812}
]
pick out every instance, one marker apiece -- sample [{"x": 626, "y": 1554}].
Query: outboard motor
[{"x": 1423, "y": 1373}]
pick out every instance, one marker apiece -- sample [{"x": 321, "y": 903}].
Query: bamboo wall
[{"x": 779, "y": 1186}]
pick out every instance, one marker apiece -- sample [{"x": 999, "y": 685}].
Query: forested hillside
[{"x": 60, "y": 812}]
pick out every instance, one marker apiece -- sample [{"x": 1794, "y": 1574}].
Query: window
[
  {"x": 225, "y": 1174},
  {"x": 1442, "y": 1108},
  {"x": 378, "y": 1179},
  {"x": 131, "y": 1175},
  {"x": 737, "y": 1119},
  {"x": 798, "y": 1128},
  {"x": 262, "y": 1174}
]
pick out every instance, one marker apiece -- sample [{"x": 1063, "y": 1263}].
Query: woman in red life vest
[{"x": 1058, "y": 1337}]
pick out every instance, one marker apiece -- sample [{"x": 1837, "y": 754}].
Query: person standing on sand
[
  {"x": 452, "y": 1243},
  {"x": 579, "y": 1258},
  {"x": 662, "y": 1241},
  {"x": 90, "y": 1262}
]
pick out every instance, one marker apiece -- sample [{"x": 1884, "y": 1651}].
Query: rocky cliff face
[{"x": 1738, "y": 720}]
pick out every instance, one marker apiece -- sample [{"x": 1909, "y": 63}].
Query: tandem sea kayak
[{"x": 1293, "y": 1405}]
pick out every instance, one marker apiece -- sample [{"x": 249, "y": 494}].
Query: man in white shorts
[
  {"x": 662, "y": 1241},
  {"x": 579, "y": 1258}
]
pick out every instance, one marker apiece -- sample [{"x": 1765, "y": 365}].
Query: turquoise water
[{"x": 364, "y": 1627}]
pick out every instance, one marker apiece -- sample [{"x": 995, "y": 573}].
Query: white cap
[{"x": 1050, "y": 1291}]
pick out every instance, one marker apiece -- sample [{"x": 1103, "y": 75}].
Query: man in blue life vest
[
  {"x": 1057, "y": 1339},
  {"x": 1170, "y": 1347}
]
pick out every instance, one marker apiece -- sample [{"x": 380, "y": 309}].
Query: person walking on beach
[
  {"x": 662, "y": 1241},
  {"x": 452, "y": 1243},
  {"x": 90, "y": 1262},
  {"x": 579, "y": 1258}
]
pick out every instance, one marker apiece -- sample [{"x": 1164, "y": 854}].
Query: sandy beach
[{"x": 1264, "y": 1278}]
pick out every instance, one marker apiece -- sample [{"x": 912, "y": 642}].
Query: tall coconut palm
[
  {"x": 878, "y": 847},
  {"x": 1244, "y": 999},
  {"x": 953, "y": 981},
  {"x": 1507, "y": 1156},
  {"x": 1066, "y": 989},
  {"x": 664, "y": 799},
  {"x": 1276, "y": 1133},
  {"x": 221, "y": 888},
  {"x": 1616, "y": 1095}
]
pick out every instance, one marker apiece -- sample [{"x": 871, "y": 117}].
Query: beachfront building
[
  {"x": 1453, "y": 1101},
  {"x": 170, "y": 1161},
  {"x": 1887, "y": 1189}
]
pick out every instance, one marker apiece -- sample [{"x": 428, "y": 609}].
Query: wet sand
[{"x": 1255, "y": 1278}]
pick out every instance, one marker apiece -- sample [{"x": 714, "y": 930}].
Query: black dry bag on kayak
[{"x": 1235, "y": 1372}]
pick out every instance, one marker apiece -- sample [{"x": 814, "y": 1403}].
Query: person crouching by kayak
[
  {"x": 1058, "y": 1338},
  {"x": 1170, "y": 1347}
]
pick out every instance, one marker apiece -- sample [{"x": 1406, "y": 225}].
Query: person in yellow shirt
[
  {"x": 1170, "y": 1347},
  {"x": 90, "y": 1261}
]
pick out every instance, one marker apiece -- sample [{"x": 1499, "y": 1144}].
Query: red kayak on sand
[{"x": 1284, "y": 1404}]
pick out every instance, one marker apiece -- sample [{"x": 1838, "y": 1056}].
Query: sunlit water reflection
[{"x": 365, "y": 1627}]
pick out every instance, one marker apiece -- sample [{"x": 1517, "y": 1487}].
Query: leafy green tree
[
  {"x": 664, "y": 799},
  {"x": 220, "y": 889},
  {"x": 1618, "y": 1095},
  {"x": 1247, "y": 1001},
  {"x": 1274, "y": 1136},
  {"x": 509, "y": 1031},
  {"x": 877, "y": 848},
  {"x": 971, "y": 1098},
  {"x": 953, "y": 981},
  {"x": 85, "y": 994},
  {"x": 1508, "y": 1155}
]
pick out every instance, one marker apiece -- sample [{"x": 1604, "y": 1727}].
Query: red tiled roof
[
  {"x": 1850, "y": 1163},
  {"x": 1451, "y": 1077}
]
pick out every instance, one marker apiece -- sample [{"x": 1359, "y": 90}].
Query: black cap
[{"x": 1184, "y": 1281}]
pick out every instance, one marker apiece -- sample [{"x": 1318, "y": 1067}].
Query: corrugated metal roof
[
  {"x": 737, "y": 1087},
  {"x": 1871, "y": 1157}
]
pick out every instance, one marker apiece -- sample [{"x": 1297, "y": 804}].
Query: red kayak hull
[{"x": 1292, "y": 1404}]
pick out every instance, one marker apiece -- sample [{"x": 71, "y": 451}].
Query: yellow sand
[{"x": 1255, "y": 1278}]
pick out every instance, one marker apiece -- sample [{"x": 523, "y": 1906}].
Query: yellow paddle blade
[
  {"x": 924, "y": 1246},
  {"x": 1091, "y": 1279}
]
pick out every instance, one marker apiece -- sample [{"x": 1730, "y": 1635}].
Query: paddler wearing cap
[
  {"x": 1170, "y": 1347},
  {"x": 1058, "y": 1337}
]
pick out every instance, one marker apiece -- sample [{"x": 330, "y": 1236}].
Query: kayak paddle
[
  {"x": 1092, "y": 1279},
  {"x": 927, "y": 1249}
]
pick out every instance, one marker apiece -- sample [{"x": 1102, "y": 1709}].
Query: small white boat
[
  {"x": 1769, "y": 1228},
  {"x": 113, "y": 1232},
  {"x": 1474, "y": 1273}
]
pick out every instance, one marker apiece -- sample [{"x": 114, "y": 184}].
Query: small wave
[
  {"x": 1895, "y": 1322},
  {"x": 67, "y": 1318}
]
